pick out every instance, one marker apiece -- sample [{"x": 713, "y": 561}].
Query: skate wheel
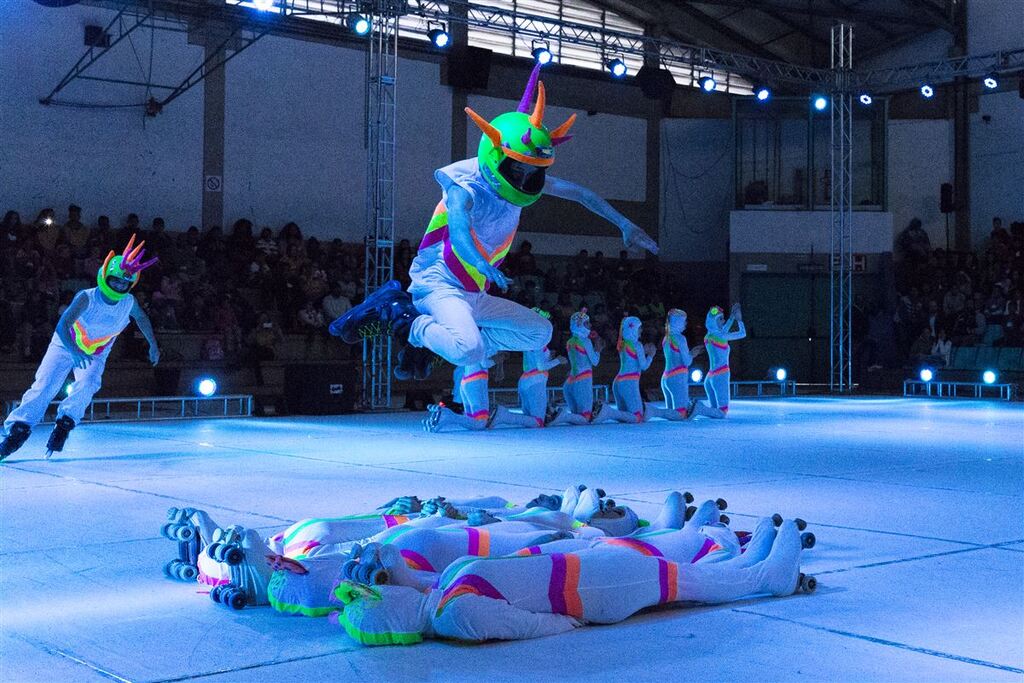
[
  {"x": 777, "y": 519},
  {"x": 379, "y": 577},
  {"x": 236, "y": 599},
  {"x": 724, "y": 519},
  {"x": 167, "y": 532},
  {"x": 690, "y": 510},
  {"x": 184, "y": 533},
  {"x": 609, "y": 503},
  {"x": 215, "y": 593},
  {"x": 225, "y": 595},
  {"x": 808, "y": 584},
  {"x": 807, "y": 540},
  {"x": 233, "y": 555},
  {"x": 348, "y": 570},
  {"x": 687, "y": 497},
  {"x": 600, "y": 493},
  {"x": 217, "y": 552},
  {"x": 169, "y": 569},
  {"x": 721, "y": 504},
  {"x": 187, "y": 572},
  {"x": 800, "y": 524}
]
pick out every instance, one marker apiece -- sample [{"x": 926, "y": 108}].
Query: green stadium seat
[
  {"x": 963, "y": 357},
  {"x": 988, "y": 357},
  {"x": 1011, "y": 359}
]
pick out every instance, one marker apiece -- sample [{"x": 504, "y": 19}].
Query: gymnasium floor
[{"x": 916, "y": 504}]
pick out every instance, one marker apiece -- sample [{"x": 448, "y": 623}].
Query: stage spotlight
[
  {"x": 206, "y": 387},
  {"x": 617, "y": 67},
  {"x": 780, "y": 374},
  {"x": 439, "y": 37},
  {"x": 819, "y": 102},
  {"x": 926, "y": 374},
  {"x": 263, "y": 5},
  {"x": 927, "y": 91},
  {"x": 866, "y": 99},
  {"x": 707, "y": 84},
  {"x": 989, "y": 377},
  {"x": 762, "y": 94},
  {"x": 991, "y": 82},
  {"x": 358, "y": 24},
  {"x": 541, "y": 54},
  {"x": 47, "y": 221},
  {"x": 696, "y": 375}
]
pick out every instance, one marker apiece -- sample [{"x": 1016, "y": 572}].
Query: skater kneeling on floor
[{"x": 81, "y": 343}]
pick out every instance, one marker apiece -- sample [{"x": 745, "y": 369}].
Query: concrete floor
[{"x": 916, "y": 504}]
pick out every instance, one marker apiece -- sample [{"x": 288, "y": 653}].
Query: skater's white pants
[
  {"x": 464, "y": 327},
  {"x": 50, "y": 377}
]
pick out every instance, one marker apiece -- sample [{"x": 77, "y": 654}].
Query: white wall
[
  {"x": 996, "y": 145},
  {"x": 805, "y": 232},
  {"x": 110, "y": 161},
  {"x": 294, "y": 144},
  {"x": 920, "y": 160},
  {"x": 697, "y": 188},
  {"x": 606, "y": 153}
]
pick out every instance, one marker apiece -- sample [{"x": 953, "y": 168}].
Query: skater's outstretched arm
[
  {"x": 735, "y": 318},
  {"x": 551, "y": 363},
  {"x": 67, "y": 319},
  {"x": 632, "y": 234},
  {"x": 459, "y": 203},
  {"x": 142, "y": 320}
]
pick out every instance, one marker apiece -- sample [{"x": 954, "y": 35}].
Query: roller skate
[
  {"x": 15, "y": 439},
  {"x": 389, "y": 311},
  {"x": 414, "y": 363},
  {"x": 180, "y": 529},
  {"x": 237, "y": 547},
  {"x": 59, "y": 435}
]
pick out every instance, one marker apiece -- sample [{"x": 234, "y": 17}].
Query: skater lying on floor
[{"x": 533, "y": 595}]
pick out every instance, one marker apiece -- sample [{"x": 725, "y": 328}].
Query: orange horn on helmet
[
  {"x": 564, "y": 128},
  {"x": 128, "y": 247},
  {"x": 490, "y": 131},
  {"x": 537, "y": 117}
]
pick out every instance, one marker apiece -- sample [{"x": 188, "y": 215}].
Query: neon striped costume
[
  {"x": 533, "y": 383},
  {"x": 716, "y": 341},
  {"x": 629, "y": 405},
  {"x": 675, "y": 379},
  {"x": 578, "y": 388},
  {"x": 532, "y": 595}
]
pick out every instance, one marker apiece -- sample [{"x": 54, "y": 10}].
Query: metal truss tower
[
  {"x": 379, "y": 246},
  {"x": 841, "y": 209}
]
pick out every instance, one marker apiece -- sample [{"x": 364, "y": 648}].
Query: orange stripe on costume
[{"x": 90, "y": 346}]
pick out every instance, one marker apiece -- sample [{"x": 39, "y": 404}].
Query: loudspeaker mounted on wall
[
  {"x": 946, "y": 203},
  {"x": 656, "y": 84},
  {"x": 467, "y": 67}
]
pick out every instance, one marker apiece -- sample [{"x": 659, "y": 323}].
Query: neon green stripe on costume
[
  {"x": 349, "y": 518},
  {"x": 385, "y": 638}
]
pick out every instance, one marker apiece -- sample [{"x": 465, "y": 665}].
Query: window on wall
[{"x": 783, "y": 158}]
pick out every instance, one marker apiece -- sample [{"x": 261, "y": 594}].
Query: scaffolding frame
[
  {"x": 379, "y": 244},
  {"x": 841, "y": 211}
]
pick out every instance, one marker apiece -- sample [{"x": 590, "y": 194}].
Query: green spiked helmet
[
  {"x": 123, "y": 271},
  {"x": 516, "y": 148}
]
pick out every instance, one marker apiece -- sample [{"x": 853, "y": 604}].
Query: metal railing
[
  {"x": 157, "y": 408},
  {"x": 763, "y": 388},
  {"x": 915, "y": 388}
]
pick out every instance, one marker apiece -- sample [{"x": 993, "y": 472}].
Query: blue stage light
[
  {"x": 927, "y": 91},
  {"x": 762, "y": 94},
  {"x": 358, "y": 24},
  {"x": 263, "y": 5},
  {"x": 989, "y": 376},
  {"x": 439, "y": 37},
  {"x": 781, "y": 374},
  {"x": 542, "y": 55},
  {"x": 707, "y": 84},
  {"x": 696, "y": 375},
  {"x": 865, "y": 99},
  {"x": 927, "y": 374},
  {"x": 819, "y": 102},
  {"x": 991, "y": 82},
  {"x": 207, "y": 387},
  {"x": 617, "y": 67}
]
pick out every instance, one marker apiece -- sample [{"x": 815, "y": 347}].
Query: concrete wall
[
  {"x": 109, "y": 160},
  {"x": 997, "y": 143},
  {"x": 920, "y": 159}
]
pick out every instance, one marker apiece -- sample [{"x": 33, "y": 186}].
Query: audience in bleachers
[
  {"x": 242, "y": 292},
  {"x": 974, "y": 297}
]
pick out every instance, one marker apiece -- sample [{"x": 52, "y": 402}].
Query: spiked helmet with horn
[
  {"x": 126, "y": 266},
  {"x": 519, "y": 137}
]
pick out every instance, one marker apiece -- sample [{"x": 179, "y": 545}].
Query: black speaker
[
  {"x": 656, "y": 84},
  {"x": 467, "y": 67},
  {"x": 321, "y": 388},
  {"x": 946, "y": 198}
]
